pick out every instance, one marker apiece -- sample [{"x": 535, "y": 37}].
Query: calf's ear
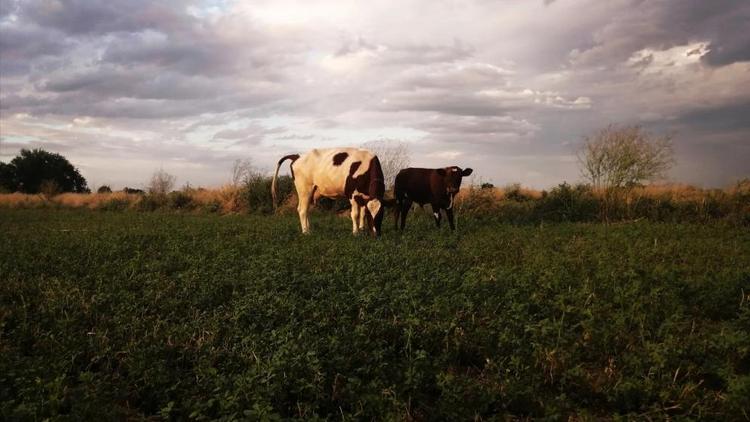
[
  {"x": 441, "y": 172},
  {"x": 466, "y": 172}
]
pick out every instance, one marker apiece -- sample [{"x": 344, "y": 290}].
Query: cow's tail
[{"x": 292, "y": 157}]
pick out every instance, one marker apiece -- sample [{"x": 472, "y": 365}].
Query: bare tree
[
  {"x": 242, "y": 170},
  {"x": 393, "y": 156},
  {"x": 161, "y": 182},
  {"x": 624, "y": 156}
]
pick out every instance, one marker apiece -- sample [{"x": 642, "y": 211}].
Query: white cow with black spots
[{"x": 350, "y": 173}]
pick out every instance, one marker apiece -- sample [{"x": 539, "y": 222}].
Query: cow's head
[
  {"x": 452, "y": 178},
  {"x": 375, "y": 212}
]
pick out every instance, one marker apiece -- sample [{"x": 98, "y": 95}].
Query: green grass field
[{"x": 113, "y": 315}]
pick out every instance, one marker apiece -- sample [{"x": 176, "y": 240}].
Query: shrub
[
  {"x": 115, "y": 204},
  {"x": 477, "y": 201},
  {"x": 212, "y": 206},
  {"x": 49, "y": 188},
  {"x": 180, "y": 201},
  {"x": 104, "y": 189},
  {"x": 513, "y": 192},
  {"x": 257, "y": 192},
  {"x": 161, "y": 182},
  {"x": 151, "y": 202},
  {"x": 515, "y": 212},
  {"x": 566, "y": 203}
]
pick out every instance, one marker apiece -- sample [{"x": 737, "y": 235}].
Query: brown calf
[{"x": 436, "y": 187}]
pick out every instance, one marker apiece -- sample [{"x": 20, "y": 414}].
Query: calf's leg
[
  {"x": 405, "y": 207},
  {"x": 449, "y": 213},
  {"x": 436, "y": 214}
]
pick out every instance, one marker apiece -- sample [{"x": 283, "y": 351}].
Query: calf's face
[{"x": 452, "y": 178}]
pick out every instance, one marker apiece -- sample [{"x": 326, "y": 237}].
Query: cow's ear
[
  {"x": 466, "y": 172},
  {"x": 441, "y": 172}
]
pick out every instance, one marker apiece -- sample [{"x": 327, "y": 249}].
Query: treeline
[{"x": 514, "y": 204}]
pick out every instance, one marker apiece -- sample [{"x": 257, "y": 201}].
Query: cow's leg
[
  {"x": 356, "y": 211},
  {"x": 405, "y": 207},
  {"x": 304, "y": 195},
  {"x": 362, "y": 215},
  {"x": 449, "y": 213},
  {"x": 436, "y": 214}
]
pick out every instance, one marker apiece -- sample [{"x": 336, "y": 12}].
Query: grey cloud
[
  {"x": 355, "y": 46},
  {"x": 113, "y": 82},
  {"x": 407, "y": 53},
  {"x": 296, "y": 137},
  {"x": 77, "y": 17},
  {"x": 727, "y": 117},
  {"x": 453, "y": 76},
  {"x": 249, "y": 135},
  {"x": 665, "y": 24},
  {"x": 73, "y": 104},
  {"x": 730, "y": 48},
  {"x": 444, "y": 102},
  {"x": 195, "y": 54},
  {"x": 478, "y": 125},
  {"x": 325, "y": 123},
  {"x": 8, "y": 7},
  {"x": 427, "y": 53},
  {"x": 20, "y": 45}
]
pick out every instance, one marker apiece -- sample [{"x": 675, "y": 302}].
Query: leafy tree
[
  {"x": 8, "y": 181},
  {"x": 393, "y": 156},
  {"x": 617, "y": 158},
  {"x": 104, "y": 189},
  {"x": 242, "y": 171},
  {"x": 33, "y": 169},
  {"x": 161, "y": 183},
  {"x": 624, "y": 156}
]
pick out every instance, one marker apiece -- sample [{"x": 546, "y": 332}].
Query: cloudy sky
[{"x": 124, "y": 87}]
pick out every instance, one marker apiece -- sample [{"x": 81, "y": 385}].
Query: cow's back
[{"x": 329, "y": 169}]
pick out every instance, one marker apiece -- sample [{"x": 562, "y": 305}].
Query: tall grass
[
  {"x": 673, "y": 203},
  {"x": 512, "y": 203}
]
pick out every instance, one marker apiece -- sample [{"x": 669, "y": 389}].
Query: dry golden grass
[
  {"x": 21, "y": 200},
  {"x": 95, "y": 200},
  {"x": 527, "y": 192},
  {"x": 497, "y": 194},
  {"x": 676, "y": 192},
  {"x": 228, "y": 198}
]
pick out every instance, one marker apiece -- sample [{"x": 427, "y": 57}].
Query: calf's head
[{"x": 452, "y": 178}]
